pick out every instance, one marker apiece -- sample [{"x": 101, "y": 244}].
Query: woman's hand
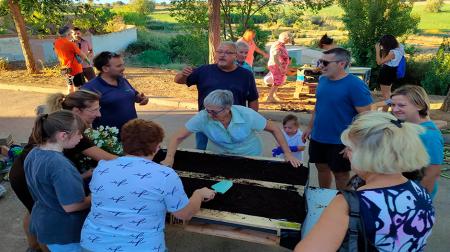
[
  {"x": 291, "y": 159},
  {"x": 167, "y": 162},
  {"x": 206, "y": 194},
  {"x": 377, "y": 47}
]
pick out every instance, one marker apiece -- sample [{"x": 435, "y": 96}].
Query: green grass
[
  {"x": 163, "y": 16},
  {"x": 433, "y": 21}
]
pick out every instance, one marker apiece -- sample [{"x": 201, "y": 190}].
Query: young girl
[
  {"x": 388, "y": 54},
  {"x": 55, "y": 184},
  {"x": 293, "y": 136}
]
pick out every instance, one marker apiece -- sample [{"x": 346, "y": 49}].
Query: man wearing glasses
[
  {"x": 340, "y": 97},
  {"x": 222, "y": 75}
]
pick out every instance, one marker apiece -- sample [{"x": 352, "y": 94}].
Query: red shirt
[{"x": 66, "y": 51}]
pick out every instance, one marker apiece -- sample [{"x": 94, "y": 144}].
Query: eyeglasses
[
  {"x": 326, "y": 62},
  {"x": 225, "y": 52},
  {"x": 214, "y": 112}
]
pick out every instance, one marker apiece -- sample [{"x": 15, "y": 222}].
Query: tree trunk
[
  {"x": 214, "y": 28},
  {"x": 446, "y": 104},
  {"x": 23, "y": 36}
]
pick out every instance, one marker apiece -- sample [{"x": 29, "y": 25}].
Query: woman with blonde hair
[
  {"x": 396, "y": 213},
  {"x": 84, "y": 104},
  {"x": 249, "y": 38},
  {"x": 411, "y": 104}
]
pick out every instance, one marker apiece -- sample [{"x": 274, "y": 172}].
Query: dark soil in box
[
  {"x": 253, "y": 200},
  {"x": 237, "y": 167}
]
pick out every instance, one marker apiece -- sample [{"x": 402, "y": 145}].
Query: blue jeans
[
  {"x": 201, "y": 141},
  {"x": 71, "y": 247}
]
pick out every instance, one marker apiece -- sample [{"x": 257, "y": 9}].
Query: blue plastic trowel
[{"x": 222, "y": 186}]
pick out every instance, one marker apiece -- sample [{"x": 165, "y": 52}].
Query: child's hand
[{"x": 277, "y": 151}]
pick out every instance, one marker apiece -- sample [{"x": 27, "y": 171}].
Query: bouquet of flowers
[{"x": 105, "y": 138}]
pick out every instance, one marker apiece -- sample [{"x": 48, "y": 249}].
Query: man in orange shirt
[{"x": 69, "y": 55}]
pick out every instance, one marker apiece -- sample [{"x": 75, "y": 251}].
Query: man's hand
[
  {"x": 377, "y": 47},
  {"x": 187, "y": 71},
  {"x": 141, "y": 99},
  {"x": 306, "y": 135}
]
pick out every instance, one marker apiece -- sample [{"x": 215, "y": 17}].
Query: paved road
[{"x": 17, "y": 115}]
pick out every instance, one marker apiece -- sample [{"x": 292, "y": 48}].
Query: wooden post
[
  {"x": 214, "y": 28},
  {"x": 23, "y": 36}
]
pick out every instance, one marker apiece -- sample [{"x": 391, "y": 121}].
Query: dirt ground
[{"x": 156, "y": 82}]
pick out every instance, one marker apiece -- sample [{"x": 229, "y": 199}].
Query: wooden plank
[
  {"x": 267, "y": 184},
  {"x": 233, "y": 233},
  {"x": 246, "y": 220}
]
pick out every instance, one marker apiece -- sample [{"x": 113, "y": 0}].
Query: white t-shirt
[
  {"x": 399, "y": 52},
  {"x": 294, "y": 140}
]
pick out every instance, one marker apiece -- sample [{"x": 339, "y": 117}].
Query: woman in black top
[{"x": 86, "y": 105}]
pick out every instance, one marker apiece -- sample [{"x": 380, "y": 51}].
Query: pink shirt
[
  {"x": 86, "y": 47},
  {"x": 251, "y": 51},
  {"x": 279, "y": 50}
]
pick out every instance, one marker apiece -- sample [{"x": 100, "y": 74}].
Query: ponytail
[
  {"x": 47, "y": 125},
  {"x": 55, "y": 102}
]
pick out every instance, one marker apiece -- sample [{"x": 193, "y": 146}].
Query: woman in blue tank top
[{"x": 397, "y": 212}]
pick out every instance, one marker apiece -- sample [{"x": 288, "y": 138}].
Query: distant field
[{"x": 163, "y": 16}]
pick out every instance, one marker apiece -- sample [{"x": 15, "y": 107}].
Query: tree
[
  {"x": 214, "y": 28},
  {"x": 368, "y": 20},
  {"x": 50, "y": 10},
  {"x": 23, "y": 36},
  {"x": 142, "y": 6}
]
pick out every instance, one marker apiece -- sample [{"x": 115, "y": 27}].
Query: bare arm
[
  {"x": 175, "y": 141},
  {"x": 381, "y": 60},
  {"x": 199, "y": 196},
  {"x": 98, "y": 154},
  {"x": 276, "y": 132},
  {"x": 254, "y": 105},
  {"x": 181, "y": 77},
  {"x": 329, "y": 232},
  {"x": 432, "y": 172},
  {"x": 262, "y": 52},
  {"x": 86, "y": 203},
  {"x": 363, "y": 109},
  {"x": 307, "y": 132}
]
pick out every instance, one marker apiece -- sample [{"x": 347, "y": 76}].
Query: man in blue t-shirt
[
  {"x": 340, "y": 97},
  {"x": 222, "y": 75},
  {"x": 117, "y": 95}
]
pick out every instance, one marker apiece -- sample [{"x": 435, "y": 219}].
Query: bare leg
[
  {"x": 31, "y": 239},
  {"x": 324, "y": 174},
  {"x": 386, "y": 93},
  {"x": 272, "y": 94},
  {"x": 342, "y": 179}
]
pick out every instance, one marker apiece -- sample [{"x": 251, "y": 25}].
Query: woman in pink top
[
  {"x": 249, "y": 38},
  {"x": 278, "y": 64}
]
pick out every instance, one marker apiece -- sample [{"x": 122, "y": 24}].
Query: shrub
[
  {"x": 437, "y": 78},
  {"x": 434, "y": 5},
  {"x": 134, "y": 18},
  {"x": 94, "y": 19},
  {"x": 189, "y": 49},
  {"x": 144, "y": 7},
  {"x": 116, "y": 24},
  {"x": 148, "y": 41},
  {"x": 317, "y": 20},
  {"x": 151, "y": 58}
]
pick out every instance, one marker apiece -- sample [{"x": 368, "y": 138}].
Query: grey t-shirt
[{"x": 54, "y": 181}]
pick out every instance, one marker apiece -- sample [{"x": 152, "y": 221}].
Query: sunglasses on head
[{"x": 326, "y": 62}]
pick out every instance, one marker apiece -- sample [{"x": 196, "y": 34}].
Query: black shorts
[
  {"x": 323, "y": 153},
  {"x": 77, "y": 80},
  {"x": 387, "y": 76}
]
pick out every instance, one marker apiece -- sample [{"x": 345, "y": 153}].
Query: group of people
[{"x": 121, "y": 204}]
